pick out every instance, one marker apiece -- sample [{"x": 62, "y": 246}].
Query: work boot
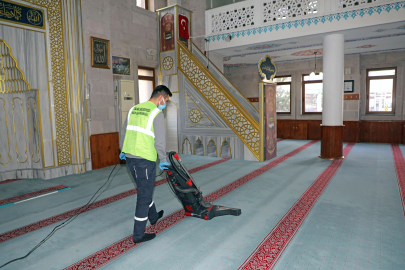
[
  {"x": 160, "y": 215},
  {"x": 146, "y": 237}
]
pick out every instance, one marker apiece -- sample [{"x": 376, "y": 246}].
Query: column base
[{"x": 332, "y": 142}]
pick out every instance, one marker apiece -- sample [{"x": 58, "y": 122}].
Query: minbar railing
[{"x": 230, "y": 110}]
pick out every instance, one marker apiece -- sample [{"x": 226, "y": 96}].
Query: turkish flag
[{"x": 183, "y": 27}]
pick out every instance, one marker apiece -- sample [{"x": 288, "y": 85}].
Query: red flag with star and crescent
[{"x": 183, "y": 27}]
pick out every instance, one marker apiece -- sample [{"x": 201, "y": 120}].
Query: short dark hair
[{"x": 161, "y": 90}]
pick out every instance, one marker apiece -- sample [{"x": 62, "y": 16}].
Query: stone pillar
[{"x": 332, "y": 112}]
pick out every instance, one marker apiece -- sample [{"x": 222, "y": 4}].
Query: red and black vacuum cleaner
[{"x": 189, "y": 195}]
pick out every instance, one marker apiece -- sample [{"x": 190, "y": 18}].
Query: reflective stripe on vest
[{"x": 148, "y": 130}]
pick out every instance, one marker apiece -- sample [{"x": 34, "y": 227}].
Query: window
[
  {"x": 146, "y": 83},
  {"x": 381, "y": 90},
  {"x": 142, "y": 3},
  {"x": 283, "y": 94},
  {"x": 312, "y": 94}
]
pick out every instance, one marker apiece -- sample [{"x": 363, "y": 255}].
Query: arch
[
  {"x": 212, "y": 150},
  {"x": 226, "y": 150},
  {"x": 198, "y": 148},
  {"x": 185, "y": 149}
]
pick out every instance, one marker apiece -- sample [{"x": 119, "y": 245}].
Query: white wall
[
  {"x": 247, "y": 78},
  {"x": 131, "y": 31}
]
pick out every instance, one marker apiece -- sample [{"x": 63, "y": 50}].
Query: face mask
[{"x": 161, "y": 107}]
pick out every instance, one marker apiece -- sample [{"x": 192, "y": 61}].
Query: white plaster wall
[
  {"x": 131, "y": 31},
  {"x": 246, "y": 79}
]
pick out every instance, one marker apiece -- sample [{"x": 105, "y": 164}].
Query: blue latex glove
[
  {"x": 164, "y": 165},
  {"x": 122, "y": 156}
]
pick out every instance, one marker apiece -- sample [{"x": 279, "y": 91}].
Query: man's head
[{"x": 160, "y": 95}]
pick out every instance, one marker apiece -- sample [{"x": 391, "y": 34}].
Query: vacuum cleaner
[{"x": 189, "y": 195}]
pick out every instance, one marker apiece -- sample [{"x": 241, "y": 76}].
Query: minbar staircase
[{"x": 241, "y": 116}]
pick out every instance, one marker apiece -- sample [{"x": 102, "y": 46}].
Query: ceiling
[{"x": 373, "y": 39}]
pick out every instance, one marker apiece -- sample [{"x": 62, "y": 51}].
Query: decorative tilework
[
  {"x": 318, "y": 44},
  {"x": 266, "y": 46},
  {"x": 365, "y": 46},
  {"x": 312, "y": 21},
  {"x": 54, "y": 16},
  {"x": 308, "y": 52}
]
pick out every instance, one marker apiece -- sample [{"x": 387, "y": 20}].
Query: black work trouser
[{"x": 143, "y": 171}]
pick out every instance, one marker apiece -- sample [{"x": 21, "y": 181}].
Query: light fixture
[
  {"x": 315, "y": 72},
  {"x": 228, "y": 38}
]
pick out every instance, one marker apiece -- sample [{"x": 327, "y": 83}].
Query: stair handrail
[
  {"x": 226, "y": 78},
  {"x": 232, "y": 100}
]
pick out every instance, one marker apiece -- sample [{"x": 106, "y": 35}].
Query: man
[{"x": 142, "y": 139}]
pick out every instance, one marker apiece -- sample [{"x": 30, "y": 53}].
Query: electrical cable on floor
[{"x": 73, "y": 217}]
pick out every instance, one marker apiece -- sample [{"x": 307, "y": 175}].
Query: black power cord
[
  {"x": 73, "y": 217},
  {"x": 66, "y": 222}
]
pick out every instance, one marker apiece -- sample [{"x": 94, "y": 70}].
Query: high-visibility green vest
[{"x": 140, "y": 137}]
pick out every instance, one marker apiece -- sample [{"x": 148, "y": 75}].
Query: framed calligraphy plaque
[
  {"x": 267, "y": 69},
  {"x": 100, "y": 52},
  {"x": 21, "y": 14}
]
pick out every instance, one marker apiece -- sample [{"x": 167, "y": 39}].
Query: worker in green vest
[{"x": 142, "y": 139}]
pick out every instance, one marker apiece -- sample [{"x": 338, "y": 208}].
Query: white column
[{"x": 333, "y": 67}]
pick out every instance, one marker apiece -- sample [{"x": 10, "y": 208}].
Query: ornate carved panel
[
  {"x": 353, "y": 3},
  {"x": 233, "y": 19},
  {"x": 281, "y": 9},
  {"x": 230, "y": 110},
  {"x": 54, "y": 16}
]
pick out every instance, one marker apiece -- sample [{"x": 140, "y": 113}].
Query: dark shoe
[
  {"x": 146, "y": 237},
  {"x": 160, "y": 215}
]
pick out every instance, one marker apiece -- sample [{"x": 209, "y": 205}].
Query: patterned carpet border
[
  {"x": 52, "y": 220},
  {"x": 266, "y": 255},
  {"x": 31, "y": 194},
  {"x": 123, "y": 246},
  {"x": 399, "y": 163},
  {"x": 9, "y": 181}
]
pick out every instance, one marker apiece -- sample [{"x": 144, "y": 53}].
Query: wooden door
[
  {"x": 301, "y": 131},
  {"x": 289, "y": 130}
]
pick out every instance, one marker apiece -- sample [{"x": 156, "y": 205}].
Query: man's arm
[{"x": 160, "y": 136}]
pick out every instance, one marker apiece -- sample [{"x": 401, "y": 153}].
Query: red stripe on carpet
[
  {"x": 32, "y": 194},
  {"x": 52, "y": 220},
  {"x": 400, "y": 171},
  {"x": 119, "y": 248},
  {"x": 9, "y": 181},
  {"x": 270, "y": 249}
]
